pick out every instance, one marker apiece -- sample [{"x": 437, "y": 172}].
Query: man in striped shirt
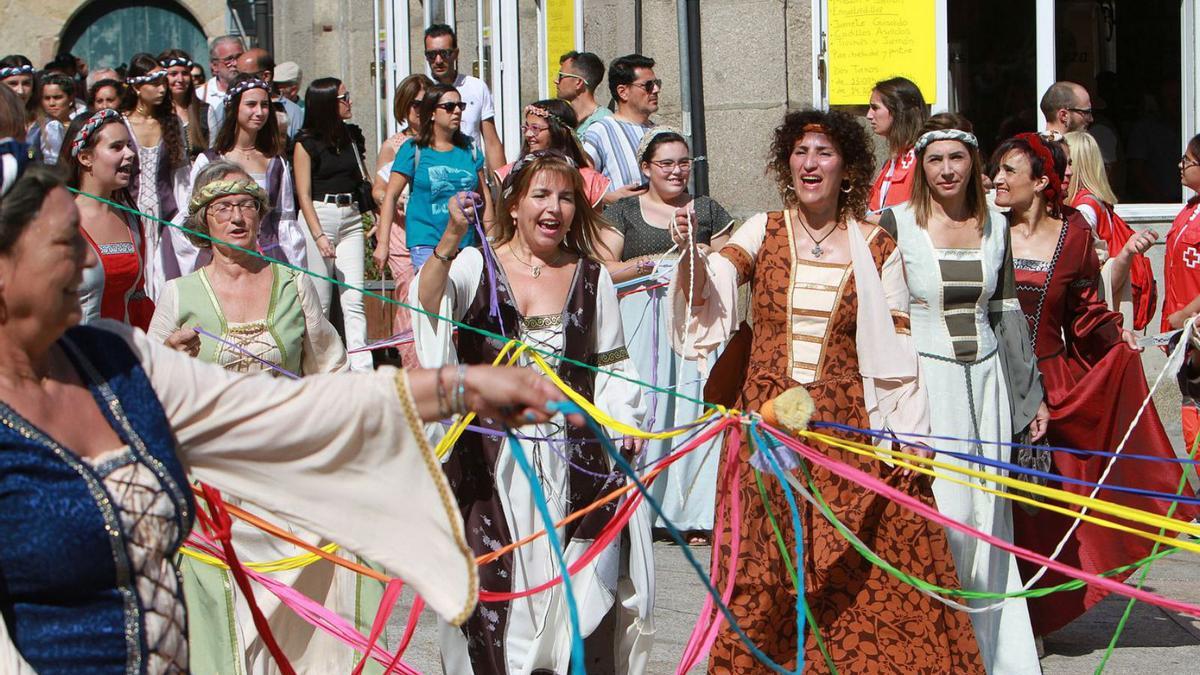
[{"x": 613, "y": 141}]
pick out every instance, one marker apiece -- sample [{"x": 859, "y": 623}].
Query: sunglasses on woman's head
[{"x": 451, "y": 106}]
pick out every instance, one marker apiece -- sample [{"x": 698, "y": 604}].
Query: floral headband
[
  {"x": 10, "y": 71},
  {"x": 945, "y": 135},
  {"x": 518, "y": 166},
  {"x": 243, "y": 87},
  {"x": 648, "y": 138},
  {"x": 1054, "y": 191},
  {"x": 176, "y": 61},
  {"x": 223, "y": 188},
  {"x": 541, "y": 112},
  {"x": 147, "y": 78},
  {"x": 97, "y": 120}
]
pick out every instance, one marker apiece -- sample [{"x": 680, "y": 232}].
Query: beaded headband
[
  {"x": 10, "y": 71},
  {"x": 147, "y": 78},
  {"x": 814, "y": 128},
  {"x": 541, "y": 112},
  {"x": 945, "y": 135},
  {"x": 223, "y": 188},
  {"x": 243, "y": 87},
  {"x": 97, "y": 120},
  {"x": 176, "y": 61},
  {"x": 648, "y": 138},
  {"x": 1053, "y": 192},
  {"x": 518, "y": 166}
]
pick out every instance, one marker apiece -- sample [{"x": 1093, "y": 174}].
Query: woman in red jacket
[{"x": 897, "y": 112}]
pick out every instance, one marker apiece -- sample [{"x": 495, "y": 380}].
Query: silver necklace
[
  {"x": 816, "y": 250},
  {"x": 536, "y": 270}
]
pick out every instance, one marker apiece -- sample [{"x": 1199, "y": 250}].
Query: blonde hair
[{"x": 1087, "y": 168}]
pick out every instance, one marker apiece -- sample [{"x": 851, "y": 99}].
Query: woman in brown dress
[{"x": 829, "y": 306}]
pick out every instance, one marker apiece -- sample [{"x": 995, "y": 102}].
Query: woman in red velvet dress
[{"x": 1092, "y": 373}]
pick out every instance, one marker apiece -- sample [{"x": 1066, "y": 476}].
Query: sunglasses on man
[
  {"x": 432, "y": 55},
  {"x": 451, "y": 106},
  {"x": 649, "y": 85},
  {"x": 563, "y": 76}
]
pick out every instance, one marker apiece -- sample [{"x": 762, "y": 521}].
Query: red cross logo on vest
[{"x": 1191, "y": 257}]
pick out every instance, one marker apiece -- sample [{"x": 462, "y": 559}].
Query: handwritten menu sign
[
  {"x": 560, "y": 36},
  {"x": 872, "y": 40}
]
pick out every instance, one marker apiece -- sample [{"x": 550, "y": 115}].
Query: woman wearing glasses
[
  {"x": 552, "y": 125},
  {"x": 640, "y": 238},
  {"x": 439, "y": 163},
  {"x": 328, "y": 164},
  {"x": 409, "y": 94}
]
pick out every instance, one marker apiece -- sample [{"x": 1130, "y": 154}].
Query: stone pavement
[{"x": 1154, "y": 641}]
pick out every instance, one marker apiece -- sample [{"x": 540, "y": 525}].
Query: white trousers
[{"x": 343, "y": 226}]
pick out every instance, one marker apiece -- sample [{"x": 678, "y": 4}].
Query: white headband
[{"x": 945, "y": 135}]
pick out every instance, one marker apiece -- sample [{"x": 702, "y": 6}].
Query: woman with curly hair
[
  {"x": 160, "y": 181},
  {"x": 57, "y": 107},
  {"x": 105, "y": 94},
  {"x": 829, "y": 307}
]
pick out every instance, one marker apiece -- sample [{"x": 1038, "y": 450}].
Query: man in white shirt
[
  {"x": 478, "y": 120},
  {"x": 223, "y": 57},
  {"x": 612, "y": 142}
]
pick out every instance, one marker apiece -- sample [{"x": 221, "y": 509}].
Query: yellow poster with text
[
  {"x": 872, "y": 40},
  {"x": 560, "y": 36}
]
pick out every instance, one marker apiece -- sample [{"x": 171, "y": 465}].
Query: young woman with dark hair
[
  {"x": 99, "y": 160},
  {"x": 192, "y": 112},
  {"x": 57, "y": 101},
  {"x": 829, "y": 310},
  {"x": 328, "y": 161},
  {"x": 105, "y": 95},
  {"x": 440, "y": 162},
  {"x": 17, "y": 73},
  {"x": 1091, "y": 371},
  {"x": 249, "y": 136},
  {"x": 160, "y": 183},
  {"x": 897, "y": 111},
  {"x": 551, "y": 125}
]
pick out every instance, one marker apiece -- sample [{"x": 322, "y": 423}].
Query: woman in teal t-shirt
[{"x": 440, "y": 162}]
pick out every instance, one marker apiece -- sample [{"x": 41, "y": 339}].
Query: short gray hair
[
  {"x": 224, "y": 39},
  {"x": 216, "y": 170}
]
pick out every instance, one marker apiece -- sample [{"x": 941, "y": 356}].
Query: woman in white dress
[
  {"x": 962, "y": 295},
  {"x": 548, "y": 290}
]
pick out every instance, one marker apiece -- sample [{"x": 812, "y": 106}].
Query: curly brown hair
[{"x": 852, "y": 141}]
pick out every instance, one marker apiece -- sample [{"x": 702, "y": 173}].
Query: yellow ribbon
[{"x": 283, "y": 565}]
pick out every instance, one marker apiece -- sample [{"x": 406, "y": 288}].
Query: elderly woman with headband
[
  {"x": 1092, "y": 375},
  {"x": 255, "y": 316},
  {"x": 249, "y": 137},
  {"x": 104, "y": 428},
  {"x": 100, "y": 163},
  {"x": 976, "y": 362},
  {"x": 829, "y": 310},
  {"x": 160, "y": 182},
  {"x": 640, "y": 242},
  {"x": 548, "y": 289},
  {"x": 551, "y": 125}
]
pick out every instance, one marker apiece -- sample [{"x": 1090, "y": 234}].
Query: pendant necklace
[
  {"x": 817, "y": 251},
  {"x": 536, "y": 270}
]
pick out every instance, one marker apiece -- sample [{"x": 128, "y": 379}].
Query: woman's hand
[
  {"x": 1131, "y": 339},
  {"x": 324, "y": 247},
  {"x": 462, "y": 215},
  {"x": 1041, "y": 420},
  {"x": 380, "y": 253},
  {"x": 1139, "y": 243},
  {"x": 518, "y": 396},
  {"x": 632, "y": 445},
  {"x": 1177, "y": 319},
  {"x": 185, "y": 340},
  {"x": 681, "y": 229}
]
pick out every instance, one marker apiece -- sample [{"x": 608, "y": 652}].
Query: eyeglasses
[
  {"x": 344, "y": 97},
  {"x": 416, "y": 103},
  {"x": 668, "y": 165},
  {"x": 1086, "y": 112},
  {"x": 533, "y": 129},
  {"x": 649, "y": 85},
  {"x": 230, "y": 61},
  {"x": 223, "y": 211},
  {"x": 1186, "y": 162},
  {"x": 562, "y": 76},
  {"x": 451, "y": 106},
  {"x": 432, "y": 55}
]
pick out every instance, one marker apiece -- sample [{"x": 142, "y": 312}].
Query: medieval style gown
[
  {"x": 956, "y": 296},
  {"x": 615, "y": 591},
  {"x": 842, "y": 332},
  {"x": 90, "y": 579},
  {"x": 1094, "y": 387}
]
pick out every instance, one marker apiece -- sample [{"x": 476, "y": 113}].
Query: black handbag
[{"x": 362, "y": 195}]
